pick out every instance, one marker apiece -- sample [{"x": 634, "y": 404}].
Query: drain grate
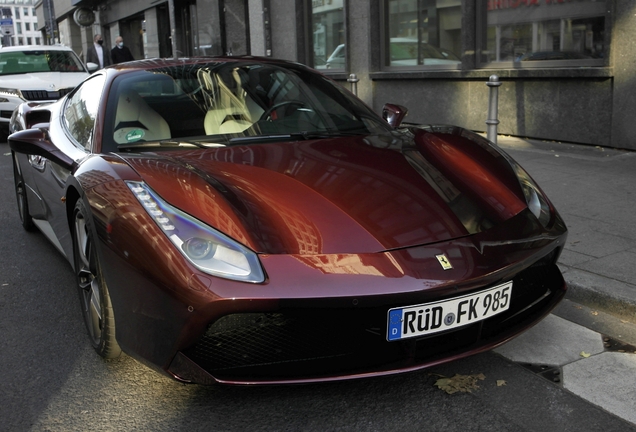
[
  {"x": 614, "y": 345},
  {"x": 551, "y": 373}
]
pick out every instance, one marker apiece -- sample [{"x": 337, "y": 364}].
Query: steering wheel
[{"x": 266, "y": 115}]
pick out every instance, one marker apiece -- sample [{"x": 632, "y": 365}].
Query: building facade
[
  {"x": 567, "y": 66},
  {"x": 25, "y": 22}
]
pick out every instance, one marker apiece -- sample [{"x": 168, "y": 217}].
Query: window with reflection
[
  {"x": 543, "y": 33},
  {"x": 328, "y": 34},
  {"x": 80, "y": 111},
  {"x": 422, "y": 33}
]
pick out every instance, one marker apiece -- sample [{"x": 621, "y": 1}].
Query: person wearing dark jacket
[
  {"x": 97, "y": 54},
  {"x": 120, "y": 53}
]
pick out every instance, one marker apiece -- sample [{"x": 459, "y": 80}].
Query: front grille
[
  {"x": 310, "y": 343},
  {"x": 6, "y": 114},
  {"x": 41, "y": 95}
]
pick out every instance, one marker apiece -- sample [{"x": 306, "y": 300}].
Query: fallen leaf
[
  {"x": 501, "y": 383},
  {"x": 595, "y": 313},
  {"x": 584, "y": 354},
  {"x": 459, "y": 383}
]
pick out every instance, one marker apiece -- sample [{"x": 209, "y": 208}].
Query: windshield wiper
[
  {"x": 294, "y": 136},
  {"x": 200, "y": 144},
  {"x": 169, "y": 143},
  {"x": 255, "y": 138}
]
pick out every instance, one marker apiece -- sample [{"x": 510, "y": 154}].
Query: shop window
[
  {"x": 542, "y": 33},
  {"x": 422, "y": 34},
  {"x": 328, "y": 34}
]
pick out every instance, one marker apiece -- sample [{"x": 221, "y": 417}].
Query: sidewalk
[
  {"x": 594, "y": 190},
  {"x": 588, "y": 344}
]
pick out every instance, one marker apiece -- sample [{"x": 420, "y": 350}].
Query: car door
[{"x": 72, "y": 134}]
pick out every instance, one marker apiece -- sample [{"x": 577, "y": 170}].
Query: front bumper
[{"x": 305, "y": 343}]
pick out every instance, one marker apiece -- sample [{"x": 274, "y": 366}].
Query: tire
[
  {"x": 23, "y": 204},
  {"x": 97, "y": 307}
]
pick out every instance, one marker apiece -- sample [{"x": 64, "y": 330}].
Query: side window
[{"x": 81, "y": 111}]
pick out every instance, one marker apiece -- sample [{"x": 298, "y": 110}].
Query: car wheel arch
[{"x": 91, "y": 284}]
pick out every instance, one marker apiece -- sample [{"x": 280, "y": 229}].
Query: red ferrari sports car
[{"x": 249, "y": 221}]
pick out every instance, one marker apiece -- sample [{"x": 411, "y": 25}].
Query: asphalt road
[{"x": 53, "y": 381}]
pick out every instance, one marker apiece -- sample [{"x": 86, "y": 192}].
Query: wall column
[
  {"x": 151, "y": 35},
  {"x": 257, "y": 28}
]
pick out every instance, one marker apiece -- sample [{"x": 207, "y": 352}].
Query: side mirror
[
  {"x": 92, "y": 67},
  {"x": 36, "y": 141},
  {"x": 394, "y": 114}
]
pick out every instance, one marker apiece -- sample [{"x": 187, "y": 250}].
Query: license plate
[{"x": 434, "y": 317}]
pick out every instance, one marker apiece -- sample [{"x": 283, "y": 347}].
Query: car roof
[
  {"x": 168, "y": 62},
  {"x": 35, "y": 48}
]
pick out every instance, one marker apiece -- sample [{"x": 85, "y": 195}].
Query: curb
[{"x": 602, "y": 293}]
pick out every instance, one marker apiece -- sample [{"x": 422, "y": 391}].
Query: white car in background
[{"x": 35, "y": 73}]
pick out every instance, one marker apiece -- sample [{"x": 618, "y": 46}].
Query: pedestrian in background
[
  {"x": 97, "y": 54},
  {"x": 120, "y": 53}
]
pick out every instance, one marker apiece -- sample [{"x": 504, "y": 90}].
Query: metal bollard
[
  {"x": 353, "y": 79},
  {"x": 493, "y": 121}
]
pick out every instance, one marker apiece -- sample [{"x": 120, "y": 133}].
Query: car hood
[
  {"x": 340, "y": 195},
  {"x": 51, "y": 81}
]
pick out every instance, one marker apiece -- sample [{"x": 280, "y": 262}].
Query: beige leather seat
[
  {"x": 136, "y": 121},
  {"x": 225, "y": 120},
  {"x": 231, "y": 109}
]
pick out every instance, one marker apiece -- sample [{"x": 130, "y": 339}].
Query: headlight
[
  {"x": 537, "y": 203},
  {"x": 206, "y": 248},
  {"x": 12, "y": 92}
]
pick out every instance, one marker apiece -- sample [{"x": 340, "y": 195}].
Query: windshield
[
  {"x": 20, "y": 62},
  {"x": 230, "y": 103}
]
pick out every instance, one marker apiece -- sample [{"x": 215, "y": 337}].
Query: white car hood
[{"x": 50, "y": 81}]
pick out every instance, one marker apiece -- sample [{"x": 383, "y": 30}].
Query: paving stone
[
  {"x": 607, "y": 380},
  {"x": 554, "y": 341}
]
